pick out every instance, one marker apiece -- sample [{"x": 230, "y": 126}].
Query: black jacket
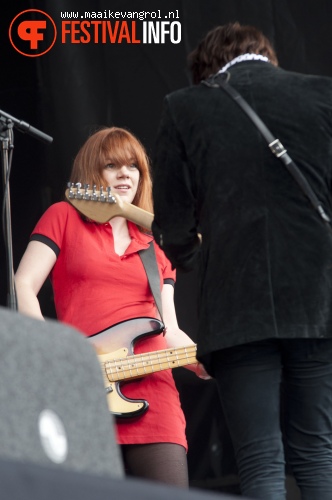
[{"x": 266, "y": 257}]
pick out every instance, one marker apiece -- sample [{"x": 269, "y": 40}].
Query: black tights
[{"x": 163, "y": 462}]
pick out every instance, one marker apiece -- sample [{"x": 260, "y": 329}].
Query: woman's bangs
[{"x": 119, "y": 150}]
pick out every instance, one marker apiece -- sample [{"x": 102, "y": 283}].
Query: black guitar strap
[
  {"x": 148, "y": 258},
  {"x": 220, "y": 80}
]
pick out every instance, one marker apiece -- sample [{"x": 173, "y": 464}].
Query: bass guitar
[{"x": 115, "y": 350}]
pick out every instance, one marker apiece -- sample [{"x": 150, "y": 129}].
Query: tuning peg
[
  {"x": 79, "y": 194},
  {"x": 110, "y": 198},
  {"x": 101, "y": 194},
  {"x": 86, "y": 195},
  {"x": 93, "y": 195},
  {"x": 70, "y": 186}
]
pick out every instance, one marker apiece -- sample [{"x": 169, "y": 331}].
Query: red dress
[{"x": 94, "y": 288}]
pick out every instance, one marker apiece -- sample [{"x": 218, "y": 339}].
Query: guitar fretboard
[{"x": 139, "y": 365}]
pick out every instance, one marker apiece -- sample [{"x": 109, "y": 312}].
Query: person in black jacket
[{"x": 264, "y": 255}]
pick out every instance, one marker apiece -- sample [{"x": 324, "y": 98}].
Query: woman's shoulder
[
  {"x": 59, "y": 214},
  {"x": 61, "y": 208},
  {"x": 60, "y": 218},
  {"x": 163, "y": 261}
]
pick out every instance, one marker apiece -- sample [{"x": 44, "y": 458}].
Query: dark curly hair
[{"x": 224, "y": 43}]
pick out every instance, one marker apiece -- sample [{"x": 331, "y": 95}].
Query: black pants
[{"x": 249, "y": 380}]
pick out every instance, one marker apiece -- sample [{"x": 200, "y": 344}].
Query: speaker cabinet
[
  {"x": 53, "y": 409},
  {"x": 31, "y": 482}
]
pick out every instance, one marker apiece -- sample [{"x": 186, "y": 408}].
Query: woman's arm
[
  {"x": 174, "y": 336},
  {"x": 34, "y": 268}
]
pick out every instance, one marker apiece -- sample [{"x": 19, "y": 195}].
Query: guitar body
[{"x": 116, "y": 343}]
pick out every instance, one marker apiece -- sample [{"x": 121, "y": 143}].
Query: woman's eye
[{"x": 113, "y": 166}]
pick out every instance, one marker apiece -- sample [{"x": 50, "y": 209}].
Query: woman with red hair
[{"x": 99, "y": 280}]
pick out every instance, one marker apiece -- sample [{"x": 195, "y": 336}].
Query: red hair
[{"x": 113, "y": 145}]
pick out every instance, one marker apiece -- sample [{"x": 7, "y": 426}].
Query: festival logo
[{"x": 32, "y": 33}]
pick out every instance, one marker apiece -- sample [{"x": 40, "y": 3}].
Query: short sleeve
[
  {"x": 51, "y": 226},
  {"x": 168, "y": 274}
]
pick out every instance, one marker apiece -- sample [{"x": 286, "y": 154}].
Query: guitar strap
[
  {"x": 149, "y": 260},
  {"x": 220, "y": 80}
]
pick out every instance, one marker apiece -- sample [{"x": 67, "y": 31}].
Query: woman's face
[{"x": 123, "y": 179}]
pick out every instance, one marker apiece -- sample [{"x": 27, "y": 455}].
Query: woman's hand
[{"x": 201, "y": 372}]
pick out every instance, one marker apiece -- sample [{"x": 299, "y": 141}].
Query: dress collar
[
  {"x": 241, "y": 58},
  {"x": 136, "y": 234}
]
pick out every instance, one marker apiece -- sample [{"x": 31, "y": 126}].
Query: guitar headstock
[
  {"x": 102, "y": 205},
  {"x": 98, "y": 205}
]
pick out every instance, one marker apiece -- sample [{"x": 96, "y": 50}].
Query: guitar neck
[
  {"x": 139, "y": 365},
  {"x": 137, "y": 215}
]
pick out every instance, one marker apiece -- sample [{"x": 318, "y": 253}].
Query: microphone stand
[
  {"x": 6, "y": 137},
  {"x": 7, "y": 123}
]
